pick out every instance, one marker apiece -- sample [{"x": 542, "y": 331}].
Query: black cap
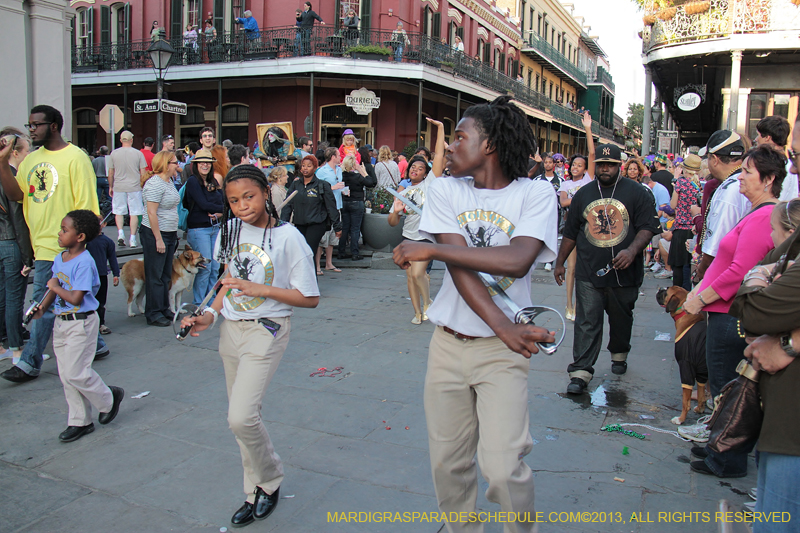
[
  {"x": 608, "y": 153},
  {"x": 723, "y": 142}
]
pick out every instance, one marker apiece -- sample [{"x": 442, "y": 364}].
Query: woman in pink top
[{"x": 763, "y": 171}]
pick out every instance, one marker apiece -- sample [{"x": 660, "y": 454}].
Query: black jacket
[
  {"x": 13, "y": 226},
  {"x": 313, "y": 204},
  {"x": 357, "y": 182},
  {"x": 308, "y": 19}
]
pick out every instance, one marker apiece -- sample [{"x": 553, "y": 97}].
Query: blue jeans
[
  {"x": 202, "y": 240},
  {"x": 398, "y": 53},
  {"x": 42, "y": 328},
  {"x": 101, "y": 344},
  {"x": 12, "y": 292},
  {"x": 778, "y": 491},
  {"x": 352, "y": 214},
  {"x": 724, "y": 350},
  {"x": 102, "y": 187},
  {"x": 157, "y": 273}
]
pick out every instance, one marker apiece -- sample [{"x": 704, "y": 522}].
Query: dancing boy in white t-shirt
[{"x": 484, "y": 219}]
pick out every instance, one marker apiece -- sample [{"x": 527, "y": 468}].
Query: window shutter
[
  {"x": 437, "y": 26},
  {"x": 127, "y": 23},
  {"x": 90, "y": 26},
  {"x": 176, "y": 18},
  {"x": 105, "y": 25}
]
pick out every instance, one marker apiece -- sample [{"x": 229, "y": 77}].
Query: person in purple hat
[{"x": 348, "y": 146}]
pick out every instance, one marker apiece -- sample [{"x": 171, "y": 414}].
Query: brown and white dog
[
  {"x": 690, "y": 348},
  {"x": 184, "y": 268}
]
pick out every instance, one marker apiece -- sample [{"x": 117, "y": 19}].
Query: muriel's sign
[
  {"x": 689, "y": 101},
  {"x": 363, "y": 101}
]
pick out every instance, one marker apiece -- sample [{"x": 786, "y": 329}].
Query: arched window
[
  {"x": 235, "y": 123},
  {"x": 190, "y": 124}
]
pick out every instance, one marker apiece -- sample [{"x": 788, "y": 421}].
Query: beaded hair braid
[{"x": 229, "y": 233}]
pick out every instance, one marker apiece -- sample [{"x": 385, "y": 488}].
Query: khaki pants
[
  {"x": 250, "y": 356},
  {"x": 476, "y": 398},
  {"x": 74, "y": 343}
]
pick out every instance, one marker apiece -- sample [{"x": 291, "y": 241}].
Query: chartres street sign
[
  {"x": 145, "y": 106},
  {"x": 363, "y": 101},
  {"x": 176, "y": 108},
  {"x": 667, "y": 134}
]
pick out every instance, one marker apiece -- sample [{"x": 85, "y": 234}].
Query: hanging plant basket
[
  {"x": 649, "y": 20},
  {"x": 695, "y": 8},
  {"x": 667, "y": 13}
]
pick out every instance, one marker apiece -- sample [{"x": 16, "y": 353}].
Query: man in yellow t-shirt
[{"x": 52, "y": 181}]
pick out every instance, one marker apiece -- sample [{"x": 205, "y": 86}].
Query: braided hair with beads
[
  {"x": 232, "y": 226},
  {"x": 508, "y": 131}
]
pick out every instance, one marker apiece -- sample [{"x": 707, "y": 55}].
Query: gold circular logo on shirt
[
  {"x": 250, "y": 263},
  {"x": 42, "y": 182},
  {"x": 607, "y": 222}
]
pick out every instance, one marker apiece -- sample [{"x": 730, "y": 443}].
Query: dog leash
[{"x": 327, "y": 373}]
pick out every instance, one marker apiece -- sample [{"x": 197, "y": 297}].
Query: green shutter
[{"x": 105, "y": 25}]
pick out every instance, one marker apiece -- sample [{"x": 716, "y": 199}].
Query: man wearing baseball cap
[
  {"x": 126, "y": 168},
  {"x": 610, "y": 222},
  {"x": 662, "y": 175},
  {"x": 725, "y": 152}
]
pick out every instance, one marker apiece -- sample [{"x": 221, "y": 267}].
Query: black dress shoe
[
  {"x": 576, "y": 386},
  {"x": 357, "y": 257},
  {"x": 619, "y": 367},
  {"x": 243, "y": 515},
  {"x": 17, "y": 375},
  {"x": 118, "y": 393},
  {"x": 699, "y": 451},
  {"x": 100, "y": 355},
  {"x": 73, "y": 433},
  {"x": 161, "y": 322},
  {"x": 265, "y": 503}
]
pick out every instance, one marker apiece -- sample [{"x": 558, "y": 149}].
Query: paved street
[{"x": 352, "y": 442}]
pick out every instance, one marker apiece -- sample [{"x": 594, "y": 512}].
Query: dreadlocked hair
[
  {"x": 508, "y": 131},
  {"x": 231, "y": 226}
]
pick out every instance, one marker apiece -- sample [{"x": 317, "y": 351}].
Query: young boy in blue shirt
[
  {"x": 73, "y": 290},
  {"x": 103, "y": 250}
]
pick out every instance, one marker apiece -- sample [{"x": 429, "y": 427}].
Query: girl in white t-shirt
[
  {"x": 419, "y": 283},
  {"x": 270, "y": 271},
  {"x": 581, "y": 172}
]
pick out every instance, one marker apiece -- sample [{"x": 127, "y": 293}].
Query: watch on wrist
[{"x": 786, "y": 345}]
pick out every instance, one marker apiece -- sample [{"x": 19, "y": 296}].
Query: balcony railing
[
  {"x": 549, "y": 52},
  {"x": 601, "y": 75},
  {"x": 723, "y": 18},
  {"x": 273, "y": 43}
]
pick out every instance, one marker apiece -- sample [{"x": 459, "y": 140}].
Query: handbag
[{"x": 736, "y": 421}]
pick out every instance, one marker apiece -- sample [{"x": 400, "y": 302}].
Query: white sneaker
[
  {"x": 698, "y": 432},
  {"x": 663, "y": 274},
  {"x": 133, "y": 241},
  {"x": 7, "y": 355},
  {"x": 753, "y": 493},
  {"x": 45, "y": 357},
  {"x": 548, "y": 267},
  {"x": 656, "y": 267},
  {"x": 750, "y": 506}
]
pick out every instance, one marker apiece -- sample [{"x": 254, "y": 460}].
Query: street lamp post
[
  {"x": 161, "y": 54},
  {"x": 655, "y": 115}
]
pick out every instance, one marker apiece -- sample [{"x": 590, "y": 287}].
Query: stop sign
[{"x": 106, "y": 115}]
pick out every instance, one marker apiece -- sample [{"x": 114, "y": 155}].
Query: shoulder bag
[{"x": 736, "y": 421}]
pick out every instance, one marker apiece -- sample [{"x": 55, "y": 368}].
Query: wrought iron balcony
[
  {"x": 274, "y": 43},
  {"x": 601, "y": 75},
  {"x": 699, "y": 20},
  {"x": 555, "y": 60}
]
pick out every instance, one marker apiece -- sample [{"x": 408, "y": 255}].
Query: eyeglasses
[
  {"x": 605, "y": 270},
  {"x": 208, "y": 135},
  {"x": 33, "y": 125}
]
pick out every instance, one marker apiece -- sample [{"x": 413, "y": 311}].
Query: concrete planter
[
  {"x": 378, "y": 234},
  {"x": 371, "y": 57}
]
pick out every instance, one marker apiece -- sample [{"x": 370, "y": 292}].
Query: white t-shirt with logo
[
  {"x": 726, "y": 208},
  {"x": 288, "y": 265},
  {"x": 488, "y": 217},
  {"x": 416, "y": 195}
]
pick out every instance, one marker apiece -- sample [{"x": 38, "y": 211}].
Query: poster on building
[{"x": 276, "y": 143}]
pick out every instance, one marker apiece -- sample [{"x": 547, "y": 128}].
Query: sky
[{"x": 617, "y": 23}]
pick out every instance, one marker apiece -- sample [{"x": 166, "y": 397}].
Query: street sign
[
  {"x": 176, "y": 108},
  {"x": 111, "y": 118},
  {"x": 664, "y": 144},
  {"x": 667, "y": 134},
  {"x": 145, "y": 106}
]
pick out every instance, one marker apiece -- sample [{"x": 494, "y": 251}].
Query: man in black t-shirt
[
  {"x": 662, "y": 175},
  {"x": 609, "y": 223}
]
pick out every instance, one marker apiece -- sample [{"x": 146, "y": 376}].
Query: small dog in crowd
[
  {"x": 690, "y": 348},
  {"x": 184, "y": 268}
]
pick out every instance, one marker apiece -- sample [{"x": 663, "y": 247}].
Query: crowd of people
[{"x": 721, "y": 223}]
